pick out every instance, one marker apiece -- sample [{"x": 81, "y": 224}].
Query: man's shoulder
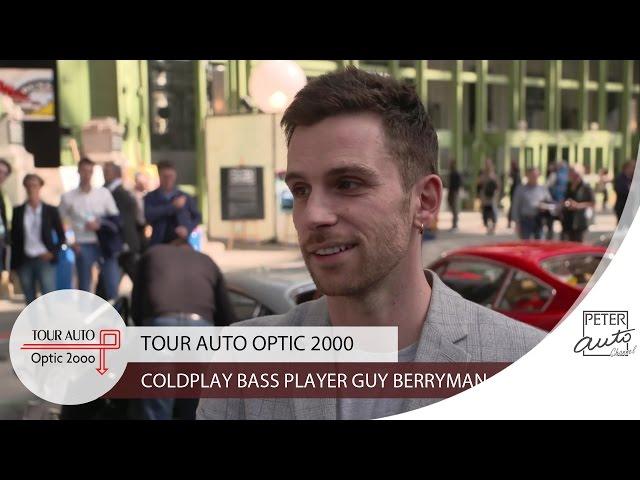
[
  {"x": 487, "y": 335},
  {"x": 48, "y": 208},
  {"x": 493, "y": 336},
  {"x": 70, "y": 194},
  {"x": 152, "y": 195}
]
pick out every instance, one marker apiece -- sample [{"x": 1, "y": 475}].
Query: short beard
[{"x": 389, "y": 249}]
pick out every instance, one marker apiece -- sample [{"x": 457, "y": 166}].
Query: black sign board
[{"x": 242, "y": 193}]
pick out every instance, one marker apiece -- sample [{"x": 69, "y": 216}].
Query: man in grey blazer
[{"x": 362, "y": 167}]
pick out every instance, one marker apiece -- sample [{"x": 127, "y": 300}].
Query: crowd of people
[
  {"x": 566, "y": 197},
  {"x": 118, "y": 231}
]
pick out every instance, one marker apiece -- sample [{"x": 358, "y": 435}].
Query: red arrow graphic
[
  {"x": 102, "y": 370},
  {"x": 103, "y": 346}
]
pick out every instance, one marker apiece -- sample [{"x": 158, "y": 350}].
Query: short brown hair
[
  {"x": 86, "y": 161},
  {"x": 32, "y": 176},
  {"x": 410, "y": 136},
  {"x": 165, "y": 164}
]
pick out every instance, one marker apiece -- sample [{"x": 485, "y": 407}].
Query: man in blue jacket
[{"x": 171, "y": 213}]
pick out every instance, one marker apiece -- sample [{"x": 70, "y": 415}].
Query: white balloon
[{"x": 274, "y": 83}]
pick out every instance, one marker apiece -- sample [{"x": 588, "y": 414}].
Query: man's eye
[
  {"x": 348, "y": 185},
  {"x": 299, "y": 191}
]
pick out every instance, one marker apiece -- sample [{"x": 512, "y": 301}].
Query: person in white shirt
[
  {"x": 36, "y": 238},
  {"x": 84, "y": 207}
]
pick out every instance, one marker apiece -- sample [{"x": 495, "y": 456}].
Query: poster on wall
[
  {"x": 242, "y": 193},
  {"x": 32, "y": 89}
]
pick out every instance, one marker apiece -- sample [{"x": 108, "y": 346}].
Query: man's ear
[{"x": 429, "y": 193}]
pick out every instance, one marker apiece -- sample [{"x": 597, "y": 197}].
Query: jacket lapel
[{"x": 446, "y": 325}]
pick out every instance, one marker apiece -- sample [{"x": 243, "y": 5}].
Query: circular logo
[{"x": 67, "y": 347}]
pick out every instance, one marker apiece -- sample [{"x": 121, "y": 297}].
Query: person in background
[
  {"x": 601, "y": 187},
  {"x": 177, "y": 286},
  {"x": 128, "y": 207},
  {"x": 171, "y": 213},
  {"x": 88, "y": 208},
  {"x": 36, "y": 238},
  {"x": 489, "y": 190},
  {"x": 516, "y": 181},
  {"x": 528, "y": 202},
  {"x": 453, "y": 196},
  {"x": 623, "y": 187},
  {"x": 140, "y": 190},
  {"x": 579, "y": 200}
]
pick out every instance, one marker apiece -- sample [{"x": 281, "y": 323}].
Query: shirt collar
[
  {"x": 115, "y": 184},
  {"x": 37, "y": 210}
]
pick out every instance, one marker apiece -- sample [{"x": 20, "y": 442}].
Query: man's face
[
  {"x": 168, "y": 178},
  {"x": 32, "y": 186},
  {"x": 109, "y": 173},
  {"x": 4, "y": 173},
  {"x": 86, "y": 173},
  {"x": 532, "y": 176},
  {"x": 141, "y": 183},
  {"x": 574, "y": 175},
  {"x": 351, "y": 212}
]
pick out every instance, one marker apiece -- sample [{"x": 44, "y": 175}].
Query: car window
[
  {"x": 476, "y": 280},
  {"x": 244, "y": 307},
  {"x": 575, "y": 270},
  {"x": 525, "y": 293}
]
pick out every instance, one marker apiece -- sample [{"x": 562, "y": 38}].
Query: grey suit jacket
[{"x": 455, "y": 330}]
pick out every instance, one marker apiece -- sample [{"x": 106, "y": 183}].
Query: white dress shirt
[
  {"x": 82, "y": 207},
  {"x": 33, "y": 246}
]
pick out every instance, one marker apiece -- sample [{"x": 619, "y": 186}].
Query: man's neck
[
  {"x": 34, "y": 203},
  {"x": 85, "y": 187},
  {"x": 401, "y": 299}
]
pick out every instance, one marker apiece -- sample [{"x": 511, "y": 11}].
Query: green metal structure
[{"x": 599, "y": 130}]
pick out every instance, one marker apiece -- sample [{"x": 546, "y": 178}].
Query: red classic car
[{"x": 535, "y": 282}]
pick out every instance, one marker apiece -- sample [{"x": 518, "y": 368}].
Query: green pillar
[
  {"x": 104, "y": 88},
  {"x": 421, "y": 81},
  {"x": 482, "y": 69},
  {"x": 625, "y": 113},
  {"x": 243, "y": 83},
  {"x": 558, "y": 105},
  {"x": 522, "y": 106},
  {"x": 544, "y": 160},
  {"x": 514, "y": 94},
  {"x": 145, "y": 120},
  {"x": 552, "y": 101},
  {"x": 583, "y": 96},
  {"x": 248, "y": 72},
  {"x": 200, "y": 76},
  {"x": 131, "y": 111},
  {"x": 456, "y": 130},
  {"x": 232, "y": 73},
  {"x": 602, "y": 94},
  {"x": 394, "y": 69},
  {"x": 74, "y": 100}
]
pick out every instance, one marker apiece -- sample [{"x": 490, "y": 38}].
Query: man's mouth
[{"x": 333, "y": 250}]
